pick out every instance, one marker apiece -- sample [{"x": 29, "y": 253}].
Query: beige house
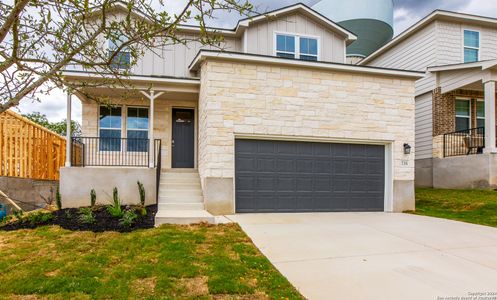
[
  {"x": 275, "y": 123},
  {"x": 455, "y": 101}
]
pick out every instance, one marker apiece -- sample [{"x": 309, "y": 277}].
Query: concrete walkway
[{"x": 377, "y": 255}]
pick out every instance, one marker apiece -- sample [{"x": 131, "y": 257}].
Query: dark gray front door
[
  {"x": 278, "y": 176},
  {"x": 183, "y": 138}
]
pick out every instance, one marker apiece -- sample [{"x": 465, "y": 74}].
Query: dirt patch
[
  {"x": 68, "y": 218},
  {"x": 195, "y": 287},
  {"x": 144, "y": 285}
]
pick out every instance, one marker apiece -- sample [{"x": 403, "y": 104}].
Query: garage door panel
[{"x": 277, "y": 176}]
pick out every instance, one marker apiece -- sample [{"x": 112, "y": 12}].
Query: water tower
[{"x": 370, "y": 20}]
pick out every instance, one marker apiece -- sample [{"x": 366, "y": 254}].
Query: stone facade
[{"x": 299, "y": 103}]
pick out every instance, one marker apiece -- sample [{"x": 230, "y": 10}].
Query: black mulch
[{"x": 68, "y": 218}]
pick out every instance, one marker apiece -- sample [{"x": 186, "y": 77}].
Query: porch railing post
[
  {"x": 490, "y": 130},
  {"x": 68, "y": 130}
]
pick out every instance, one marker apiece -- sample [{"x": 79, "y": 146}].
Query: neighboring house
[
  {"x": 455, "y": 101},
  {"x": 275, "y": 123}
]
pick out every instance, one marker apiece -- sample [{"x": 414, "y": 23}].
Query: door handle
[{"x": 172, "y": 143}]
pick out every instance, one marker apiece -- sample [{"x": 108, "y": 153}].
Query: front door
[{"x": 183, "y": 138}]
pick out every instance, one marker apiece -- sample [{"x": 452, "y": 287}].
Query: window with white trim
[
  {"x": 463, "y": 114},
  {"x": 110, "y": 128},
  {"x": 137, "y": 129},
  {"x": 122, "y": 60},
  {"x": 294, "y": 46},
  {"x": 471, "y": 46},
  {"x": 480, "y": 113}
]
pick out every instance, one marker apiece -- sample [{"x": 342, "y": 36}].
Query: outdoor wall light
[{"x": 407, "y": 148}]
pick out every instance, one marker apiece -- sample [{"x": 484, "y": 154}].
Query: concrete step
[
  {"x": 183, "y": 217},
  {"x": 180, "y": 206},
  {"x": 179, "y": 170},
  {"x": 180, "y": 192},
  {"x": 179, "y": 175},
  {"x": 180, "y": 186},
  {"x": 180, "y": 180},
  {"x": 180, "y": 199}
]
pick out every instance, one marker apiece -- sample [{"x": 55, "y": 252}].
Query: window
[
  {"x": 110, "y": 129},
  {"x": 471, "y": 46},
  {"x": 463, "y": 114},
  {"x": 285, "y": 46},
  {"x": 308, "y": 49},
  {"x": 122, "y": 60},
  {"x": 480, "y": 113},
  {"x": 137, "y": 129},
  {"x": 289, "y": 46}
]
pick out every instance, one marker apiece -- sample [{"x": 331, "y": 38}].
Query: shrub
[
  {"x": 39, "y": 217},
  {"x": 128, "y": 218},
  {"x": 141, "y": 191},
  {"x": 142, "y": 211},
  {"x": 58, "y": 199},
  {"x": 86, "y": 215},
  {"x": 17, "y": 213},
  {"x": 115, "y": 208},
  {"x": 93, "y": 197}
]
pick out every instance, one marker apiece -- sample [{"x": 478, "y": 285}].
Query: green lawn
[
  {"x": 472, "y": 206},
  {"x": 169, "y": 262}
]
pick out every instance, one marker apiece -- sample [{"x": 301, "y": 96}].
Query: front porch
[{"x": 464, "y": 126}]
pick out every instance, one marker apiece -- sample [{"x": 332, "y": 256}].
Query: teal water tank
[{"x": 370, "y": 20}]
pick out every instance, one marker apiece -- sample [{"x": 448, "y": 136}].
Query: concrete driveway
[{"x": 377, "y": 255}]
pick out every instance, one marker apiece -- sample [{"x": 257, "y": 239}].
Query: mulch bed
[{"x": 68, "y": 218}]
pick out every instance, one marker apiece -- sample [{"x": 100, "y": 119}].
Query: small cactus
[{"x": 93, "y": 197}]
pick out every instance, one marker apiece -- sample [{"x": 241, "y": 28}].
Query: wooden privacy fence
[{"x": 29, "y": 150}]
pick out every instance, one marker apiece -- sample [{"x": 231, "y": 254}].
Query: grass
[
  {"x": 472, "y": 206},
  {"x": 168, "y": 262}
]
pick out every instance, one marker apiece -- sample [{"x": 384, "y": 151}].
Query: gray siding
[
  {"x": 424, "y": 126},
  {"x": 260, "y": 36}
]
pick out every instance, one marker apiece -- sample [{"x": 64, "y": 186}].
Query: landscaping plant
[
  {"x": 115, "y": 208},
  {"x": 58, "y": 200},
  {"x": 17, "y": 213},
  {"x": 86, "y": 215},
  {"x": 93, "y": 197},
  {"x": 141, "y": 191},
  {"x": 38, "y": 217},
  {"x": 128, "y": 218}
]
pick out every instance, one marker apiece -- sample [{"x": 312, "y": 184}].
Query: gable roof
[
  {"x": 435, "y": 15},
  {"x": 246, "y": 22}
]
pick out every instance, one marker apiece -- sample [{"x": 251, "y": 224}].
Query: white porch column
[
  {"x": 68, "y": 130},
  {"x": 490, "y": 146},
  {"x": 151, "y": 96}
]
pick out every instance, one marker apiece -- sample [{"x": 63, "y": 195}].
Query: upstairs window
[
  {"x": 308, "y": 49},
  {"x": 471, "y": 46},
  {"x": 122, "y": 60},
  {"x": 463, "y": 114},
  {"x": 300, "y": 47},
  {"x": 137, "y": 129},
  {"x": 110, "y": 128},
  {"x": 285, "y": 46}
]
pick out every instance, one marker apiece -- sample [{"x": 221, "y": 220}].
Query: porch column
[
  {"x": 68, "y": 130},
  {"x": 151, "y": 96},
  {"x": 490, "y": 146}
]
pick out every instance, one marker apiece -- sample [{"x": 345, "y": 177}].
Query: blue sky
[{"x": 406, "y": 13}]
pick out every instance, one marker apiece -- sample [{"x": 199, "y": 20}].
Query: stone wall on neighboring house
[
  {"x": 294, "y": 102},
  {"x": 28, "y": 193}
]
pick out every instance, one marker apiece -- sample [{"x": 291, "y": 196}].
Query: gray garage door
[{"x": 277, "y": 176}]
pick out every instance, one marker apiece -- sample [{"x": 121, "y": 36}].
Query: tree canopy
[
  {"x": 39, "y": 39},
  {"x": 57, "y": 127}
]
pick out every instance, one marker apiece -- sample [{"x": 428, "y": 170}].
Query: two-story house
[
  {"x": 276, "y": 122},
  {"x": 455, "y": 101}
]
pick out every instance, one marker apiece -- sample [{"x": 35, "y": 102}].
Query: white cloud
[{"x": 481, "y": 7}]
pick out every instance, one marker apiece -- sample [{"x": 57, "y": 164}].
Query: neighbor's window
[
  {"x": 110, "y": 128},
  {"x": 308, "y": 49},
  {"x": 480, "y": 114},
  {"x": 463, "y": 114},
  {"x": 137, "y": 129},
  {"x": 471, "y": 46},
  {"x": 285, "y": 46},
  {"x": 122, "y": 60}
]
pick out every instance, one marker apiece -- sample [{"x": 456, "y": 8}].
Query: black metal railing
[
  {"x": 109, "y": 151},
  {"x": 158, "y": 164},
  {"x": 464, "y": 142}
]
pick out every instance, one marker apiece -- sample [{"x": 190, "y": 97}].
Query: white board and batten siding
[
  {"x": 260, "y": 37},
  {"x": 424, "y": 127}
]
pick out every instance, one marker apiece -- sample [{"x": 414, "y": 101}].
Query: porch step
[
  {"x": 180, "y": 198},
  {"x": 183, "y": 217},
  {"x": 181, "y": 206}
]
